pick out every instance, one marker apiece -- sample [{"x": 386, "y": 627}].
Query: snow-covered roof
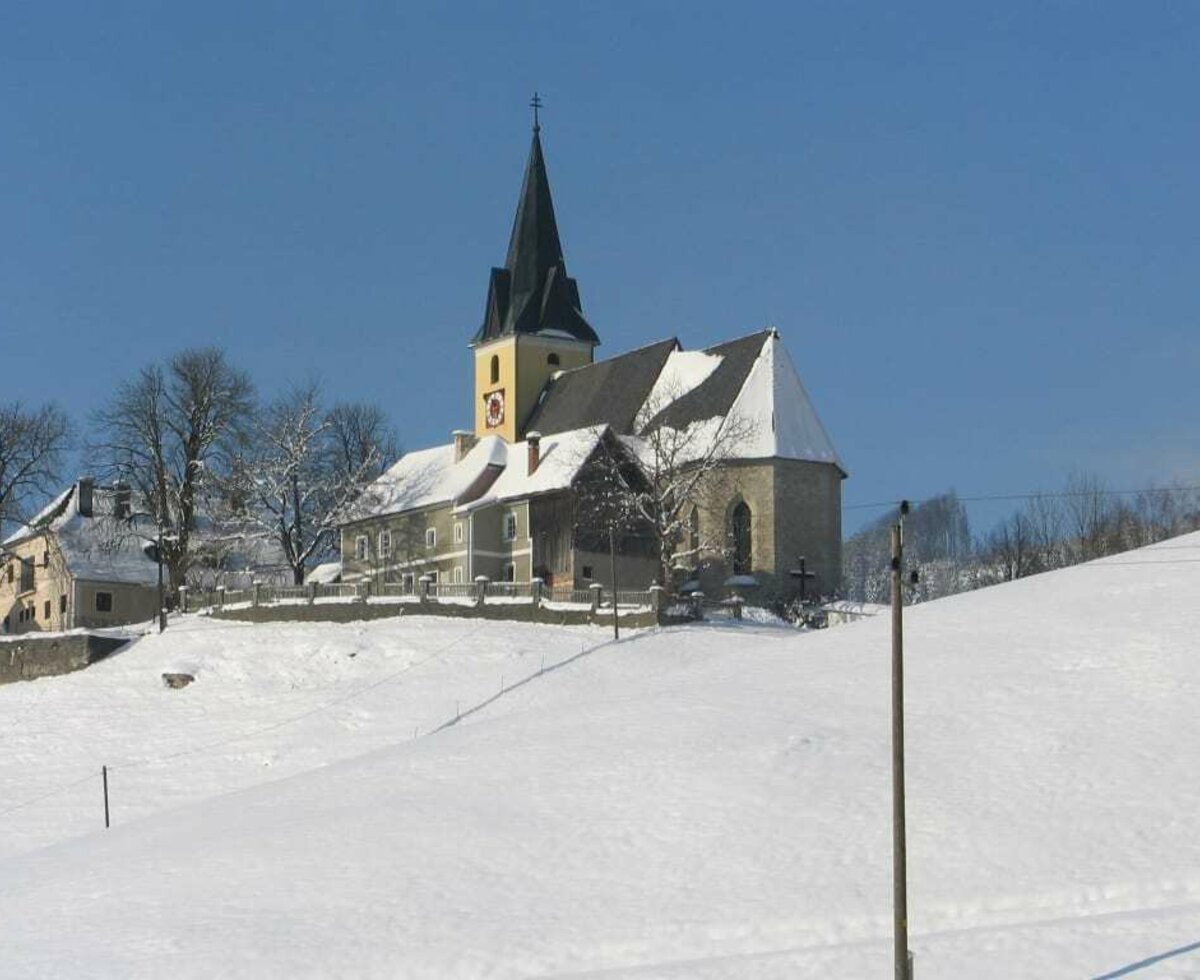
[
  {"x": 429, "y": 477},
  {"x": 777, "y": 414},
  {"x": 325, "y": 573},
  {"x": 96, "y": 548},
  {"x": 493, "y": 471},
  {"x": 561, "y": 457}
]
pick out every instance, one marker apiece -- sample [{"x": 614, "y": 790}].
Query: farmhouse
[
  {"x": 726, "y": 435},
  {"x": 81, "y": 562}
]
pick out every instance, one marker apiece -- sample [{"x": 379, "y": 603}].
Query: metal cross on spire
[{"x": 536, "y": 103}]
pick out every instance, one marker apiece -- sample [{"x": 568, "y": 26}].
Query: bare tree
[
  {"x": 307, "y": 466},
  {"x": 656, "y": 479},
  {"x": 174, "y": 432},
  {"x": 32, "y": 444}
]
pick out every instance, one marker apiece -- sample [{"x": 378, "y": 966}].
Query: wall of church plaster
[
  {"x": 795, "y": 509},
  {"x": 808, "y": 508},
  {"x": 492, "y": 551}
]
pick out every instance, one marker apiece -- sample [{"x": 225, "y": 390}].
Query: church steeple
[{"x": 533, "y": 294}]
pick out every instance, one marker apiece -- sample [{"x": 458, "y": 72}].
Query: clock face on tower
[{"x": 493, "y": 408}]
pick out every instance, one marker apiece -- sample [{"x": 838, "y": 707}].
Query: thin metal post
[
  {"x": 612, "y": 557},
  {"x": 104, "y": 776},
  {"x": 162, "y": 613},
  {"x": 899, "y": 844}
]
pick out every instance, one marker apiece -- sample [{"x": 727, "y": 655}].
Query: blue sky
[{"x": 977, "y": 228}]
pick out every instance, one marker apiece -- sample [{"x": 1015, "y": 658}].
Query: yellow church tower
[{"x": 533, "y": 325}]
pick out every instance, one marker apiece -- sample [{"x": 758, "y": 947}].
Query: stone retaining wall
[
  {"x": 353, "y": 612},
  {"x": 29, "y": 656}
]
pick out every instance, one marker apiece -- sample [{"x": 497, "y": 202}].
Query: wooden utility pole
[
  {"x": 104, "y": 776},
  {"x": 899, "y": 844}
]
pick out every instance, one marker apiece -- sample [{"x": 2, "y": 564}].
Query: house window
[
  {"x": 510, "y": 572},
  {"x": 433, "y": 577},
  {"x": 62, "y": 604},
  {"x": 362, "y": 548},
  {"x": 27, "y": 575},
  {"x": 406, "y": 582},
  {"x": 458, "y": 574},
  {"x": 104, "y": 602},
  {"x": 739, "y": 530},
  {"x": 495, "y": 369},
  {"x": 10, "y": 572},
  {"x": 458, "y": 532},
  {"x": 385, "y": 544},
  {"x": 46, "y": 610},
  {"x": 510, "y": 526},
  {"x": 46, "y": 558},
  {"x": 587, "y": 571},
  {"x": 552, "y": 360},
  {"x": 694, "y": 533},
  {"x": 431, "y": 537}
]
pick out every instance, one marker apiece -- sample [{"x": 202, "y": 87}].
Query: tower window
[
  {"x": 552, "y": 360},
  {"x": 495, "y": 369}
]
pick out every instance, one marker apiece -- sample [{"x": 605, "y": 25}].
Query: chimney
[
  {"x": 464, "y": 442},
  {"x": 122, "y": 501},
  {"x": 83, "y": 496},
  {"x": 534, "y": 441}
]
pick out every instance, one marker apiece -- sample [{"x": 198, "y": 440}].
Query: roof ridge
[
  {"x": 765, "y": 332},
  {"x": 617, "y": 357}
]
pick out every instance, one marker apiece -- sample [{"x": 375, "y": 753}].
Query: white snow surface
[{"x": 701, "y": 802}]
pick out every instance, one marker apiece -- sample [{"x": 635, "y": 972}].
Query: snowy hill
[{"x": 694, "y": 802}]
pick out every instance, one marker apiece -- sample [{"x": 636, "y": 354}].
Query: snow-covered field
[{"x": 711, "y": 801}]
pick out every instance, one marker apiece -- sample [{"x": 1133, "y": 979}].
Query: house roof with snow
[
  {"x": 96, "y": 545},
  {"x": 492, "y": 472}
]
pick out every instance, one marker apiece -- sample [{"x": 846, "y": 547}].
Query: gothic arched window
[
  {"x": 495, "y": 369},
  {"x": 739, "y": 531}
]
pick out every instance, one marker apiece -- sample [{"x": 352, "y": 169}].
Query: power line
[{"x": 1029, "y": 495}]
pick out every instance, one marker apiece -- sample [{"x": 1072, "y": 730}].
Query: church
[{"x": 726, "y": 436}]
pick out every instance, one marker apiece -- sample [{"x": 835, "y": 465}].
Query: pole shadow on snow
[
  {"x": 508, "y": 689},
  {"x": 1148, "y": 961}
]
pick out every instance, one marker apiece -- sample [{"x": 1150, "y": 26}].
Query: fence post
[
  {"x": 257, "y": 601},
  {"x": 425, "y": 582},
  {"x": 481, "y": 584},
  {"x": 220, "y": 597},
  {"x": 697, "y": 605},
  {"x": 656, "y": 602},
  {"x": 736, "y": 601},
  {"x": 535, "y": 591},
  {"x": 365, "y": 591},
  {"x": 597, "y": 595},
  {"x": 183, "y": 599},
  {"x": 311, "y": 592}
]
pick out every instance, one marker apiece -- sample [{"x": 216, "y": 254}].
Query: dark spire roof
[{"x": 533, "y": 292}]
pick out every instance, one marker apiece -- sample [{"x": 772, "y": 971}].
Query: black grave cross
[{"x": 803, "y": 574}]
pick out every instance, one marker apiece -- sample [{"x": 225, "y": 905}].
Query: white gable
[{"x": 778, "y": 412}]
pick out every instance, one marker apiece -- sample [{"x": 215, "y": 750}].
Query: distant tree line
[
  {"x": 1082, "y": 521},
  {"x": 212, "y": 468}
]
